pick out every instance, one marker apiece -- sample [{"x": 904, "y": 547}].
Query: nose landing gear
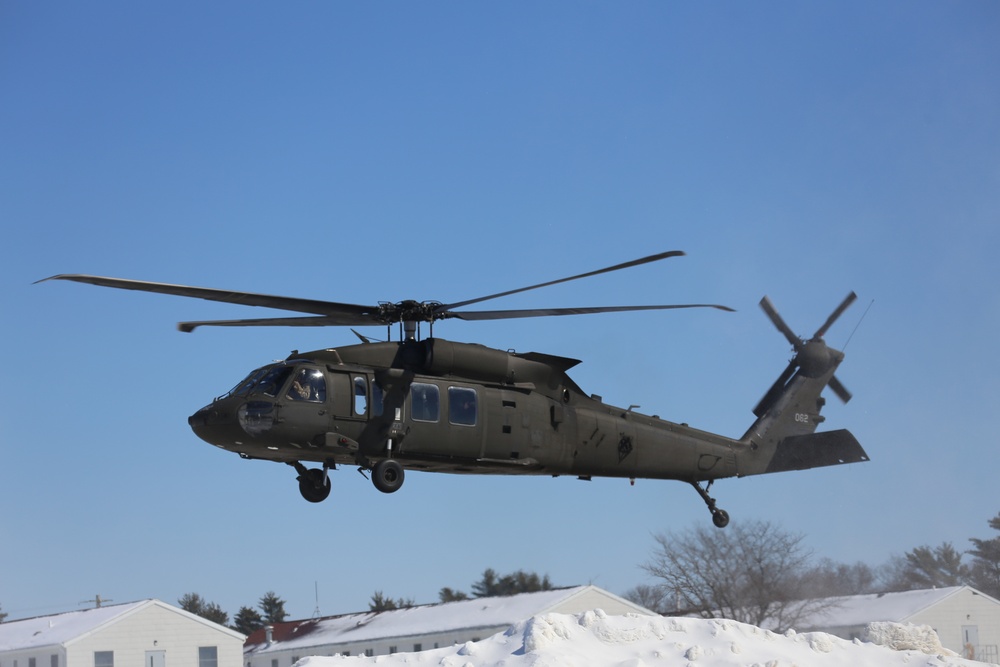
[{"x": 720, "y": 517}]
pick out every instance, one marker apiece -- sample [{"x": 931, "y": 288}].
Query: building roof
[
  {"x": 463, "y": 615},
  {"x": 63, "y": 629},
  {"x": 862, "y": 609}
]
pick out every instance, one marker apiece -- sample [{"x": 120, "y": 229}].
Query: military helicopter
[{"x": 429, "y": 404}]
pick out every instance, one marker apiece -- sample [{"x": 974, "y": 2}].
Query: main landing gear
[
  {"x": 387, "y": 476},
  {"x": 719, "y": 517},
  {"x": 314, "y": 483}
]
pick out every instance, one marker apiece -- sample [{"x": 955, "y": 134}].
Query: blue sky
[{"x": 367, "y": 152}]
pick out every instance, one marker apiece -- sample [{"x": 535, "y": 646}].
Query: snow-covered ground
[{"x": 594, "y": 639}]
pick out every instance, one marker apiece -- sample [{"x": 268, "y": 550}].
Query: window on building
[
  {"x": 274, "y": 662},
  {"x": 104, "y": 659},
  {"x": 425, "y": 402},
  {"x": 369, "y": 652},
  {"x": 54, "y": 660},
  {"x": 295, "y": 659},
  {"x": 208, "y": 656},
  {"x": 392, "y": 649},
  {"x": 418, "y": 647},
  {"x": 32, "y": 662},
  {"x": 462, "y": 406}
]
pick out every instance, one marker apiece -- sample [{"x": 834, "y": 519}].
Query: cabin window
[
  {"x": 308, "y": 385},
  {"x": 462, "y": 406},
  {"x": 425, "y": 402},
  {"x": 104, "y": 659},
  {"x": 377, "y": 398},
  {"x": 360, "y": 396},
  {"x": 208, "y": 656}
]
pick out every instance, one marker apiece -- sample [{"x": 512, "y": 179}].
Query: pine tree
[
  {"x": 986, "y": 562},
  {"x": 272, "y": 607},
  {"x": 247, "y": 620}
]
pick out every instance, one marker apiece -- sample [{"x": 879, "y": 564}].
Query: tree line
[
  {"x": 491, "y": 584},
  {"x": 753, "y": 572},
  {"x": 270, "y": 609},
  {"x": 757, "y": 573}
]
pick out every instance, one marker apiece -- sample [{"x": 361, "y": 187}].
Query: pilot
[{"x": 301, "y": 389}]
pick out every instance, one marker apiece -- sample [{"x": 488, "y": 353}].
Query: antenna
[
  {"x": 859, "y": 323},
  {"x": 316, "y": 613}
]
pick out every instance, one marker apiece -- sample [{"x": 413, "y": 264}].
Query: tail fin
[{"x": 784, "y": 436}]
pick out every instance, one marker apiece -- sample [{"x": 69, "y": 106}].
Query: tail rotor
[{"x": 812, "y": 357}]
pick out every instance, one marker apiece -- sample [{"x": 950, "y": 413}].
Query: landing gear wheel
[
  {"x": 314, "y": 485},
  {"x": 719, "y": 517},
  {"x": 387, "y": 475}
]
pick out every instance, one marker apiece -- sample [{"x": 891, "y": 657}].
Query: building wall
[
  {"x": 595, "y": 598},
  {"x": 588, "y": 599},
  {"x": 288, "y": 657},
  {"x": 964, "y": 608},
  {"x": 154, "y": 628},
  {"x": 43, "y": 657}
]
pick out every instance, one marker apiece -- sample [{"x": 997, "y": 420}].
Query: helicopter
[{"x": 430, "y": 404}]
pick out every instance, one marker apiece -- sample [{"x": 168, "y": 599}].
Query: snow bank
[
  {"x": 906, "y": 636},
  {"x": 594, "y": 639}
]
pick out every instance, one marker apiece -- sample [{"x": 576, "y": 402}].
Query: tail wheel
[{"x": 387, "y": 475}]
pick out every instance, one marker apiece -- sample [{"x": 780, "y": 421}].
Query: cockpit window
[
  {"x": 272, "y": 381},
  {"x": 308, "y": 385},
  {"x": 243, "y": 388}
]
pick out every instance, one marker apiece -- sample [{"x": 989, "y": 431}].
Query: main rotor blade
[
  {"x": 616, "y": 267},
  {"x": 772, "y": 313},
  {"x": 476, "y": 315},
  {"x": 321, "y": 321},
  {"x": 835, "y": 314},
  {"x": 329, "y": 308}
]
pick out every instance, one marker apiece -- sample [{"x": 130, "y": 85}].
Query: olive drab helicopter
[{"x": 429, "y": 404}]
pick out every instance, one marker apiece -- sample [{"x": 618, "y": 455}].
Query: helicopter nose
[{"x": 211, "y": 424}]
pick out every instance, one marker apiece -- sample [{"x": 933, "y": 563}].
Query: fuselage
[{"x": 441, "y": 406}]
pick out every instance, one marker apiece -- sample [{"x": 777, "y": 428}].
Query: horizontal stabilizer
[{"x": 816, "y": 450}]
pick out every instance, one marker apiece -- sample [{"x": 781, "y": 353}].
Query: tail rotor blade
[
  {"x": 772, "y": 313},
  {"x": 839, "y": 389},
  {"x": 835, "y": 314}
]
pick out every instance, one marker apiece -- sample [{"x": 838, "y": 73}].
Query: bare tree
[
  {"x": 832, "y": 579},
  {"x": 751, "y": 573},
  {"x": 653, "y": 598}
]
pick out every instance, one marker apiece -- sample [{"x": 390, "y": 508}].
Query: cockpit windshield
[
  {"x": 309, "y": 383},
  {"x": 243, "y": 388}
]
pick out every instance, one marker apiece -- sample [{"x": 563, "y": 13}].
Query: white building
[
  {"x": 150, "y": 633},
  {"x": 966, "y": 620},
  {"x": 420, "y": 628}
]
